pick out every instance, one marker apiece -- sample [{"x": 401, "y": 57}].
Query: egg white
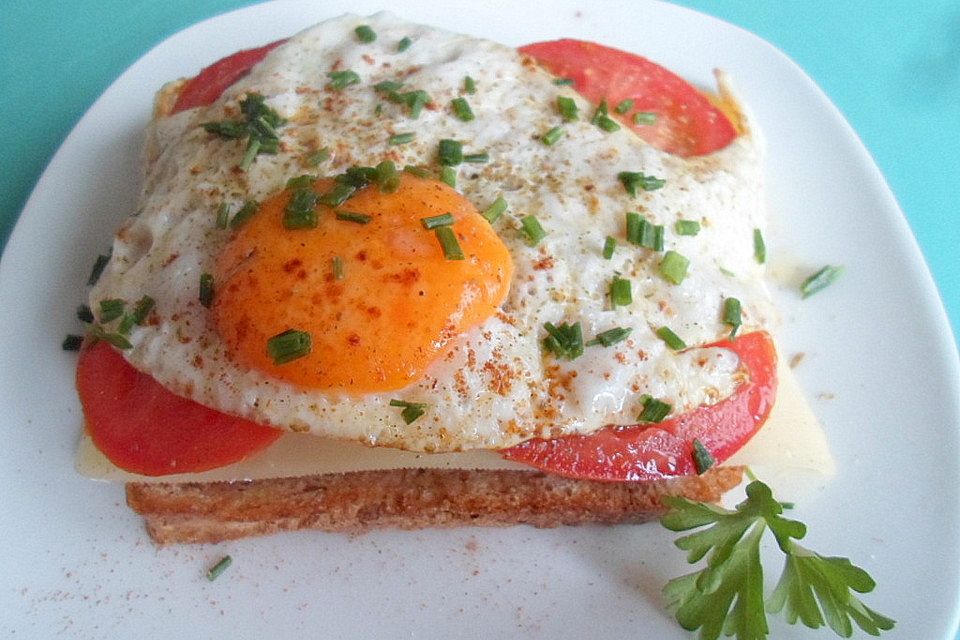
[{"x": 496, "y": 386}]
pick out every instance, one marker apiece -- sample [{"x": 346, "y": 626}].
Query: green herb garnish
[
  {"x": 247, "y": 211},
  {"x": 340, "y": 80},
  {"x": 222, "y": 565},
  {"x": 633, "y": 179},
  {"x": 318, "y": 156},
  {"x": 759, "y": 247},
  {"x": 461, "y": 109},
  {"x": 142, "y": 309},
  {"x": 564, "y": 341},
  {"x": 450, "y": 152},
  {"x": 624, "y": 106},
  {"x": 113, "y": 338},
  {"x": 401, "y": 138},
  {"x": 448, "y": 175},
  {"x": 609, "y": 246},
  {"x": 111, "y": 309},
  {"x": 702, "y": 458},
  {"x": 610, "y": 337},
  {"x": 206, "y": 289},
  {"x": 352, "y": 216},
  {"x": 563, "y": 82},
  {"x": 687, "y": 227},
  {"x": 726, "y": 596},
  {"x": 820, "y": 280},
  {"x": 492, "y": 213},
  {"x": 673, "y": 340},
  {"x": 644, "y": 117},
  {"x": 673, "y": 267},
  {"x": 732, "y": 315},
  {"x": 288, "y": 346},
  {"x": 551, "y": 137},
  {"x": 365, "y": 34},
  {"x": 404, "y": 44},
  {"x": 84, "y": 314},
  {"x": 336, "y": 265},
  {"x": 98, "y": 268},
  {"x": 449, "y": 244},
  {"x": 653, "y": 410},
  {"x": 411, "y": 410},
  {"x": 532, "y": 229},
  {"x": 568, "y": 108},
  {"x": 300, "y": 212},
  {"x": 259, "y": 127},
  {"x": 442, "y": 220},
  {"x": 621, "y": 293},
  {"x": 71, "y": 342}
]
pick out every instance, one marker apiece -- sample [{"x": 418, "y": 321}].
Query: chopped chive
[
  {"x": 300, "y": 212},
  {"x": 386, "y": 86},
  {"x": 532, "y": 229},
  {"x": 98, "y": 267},
  {"x": 732, "y": 315},
  {"x": 673, "y": 340},
  {"x": 206, "y": 289},
  {"x": 249, "y": 208},
  {"x": 449, "y": 244},
  {"x": 223, "y": 215},
  {"x": 653, "y": 410},
  {"x": 222, "y": 565},
  {"x": 404, "y": 44},
  {"x": 450, "y": 152},
  {"x": 301, "y": 182},
  {"x": 420, "y": 172},
  {"x": 71, "y": 342},
  {"x": 610, "y": 337},
  {"x": 644, "y": 117},
  {"x": 820, "y": 280},
  {"x": 657, "y": 238},
  {"x": 84, "y": 314},
  {"x": 476, "y": 158},
  {"x": 635, "y": 227},
  {"x": 759, "y": 247},
  {"x": 432, "y": 222},
  {"x": 125, "y": 324},
  {"x": 608, "y": 124},
  {"x": 111, "y": 309},
  {"x": 564, "y": 341},
  {"x": 337, "y": 266},
  {"x": 673, "y": 267},
  {"x": 609, "y": 246},
  {"x": 621, "y": 293},
  {"x": 551, "y": 137},
  {"x": 388, "y": 179},
  {"x": 288, "y": 346},
  {"x": 402, "y": 138},
  {"x": 340, "y": 80},
  {"x": 461, "y": 109},
  {"x": 568, "y": 108},
  {"x": 253, "y": 148},
  {"x": 624, "y": 106},
  {"x": 702, "y": 457},
  {"x": 469, "y": 85},
  {"x": 492, "y": 213},
  {"x": 563, "y": 82},
  {"x": 411, "y": 410},
  {"x": 229, "y": 129},
  {"x": 339, "y": 194},
  {"x": 318, "y": 156},
  {"x": 687, "y": 227},
  {"x": 415, "y": 101},
  {"x": 365, "y": 34},
  {"x": 112, "y": 338},
  {"x": 352, "y": 216},
  {"x": 449, "y": 176},
  {"x": 633, "y": 179},
  {"x": 143, "y": 308},
  {"x": 728, "y": 273}
]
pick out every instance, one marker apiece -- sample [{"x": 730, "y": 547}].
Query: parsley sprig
[
  {"x": 727, "y": 595},
  {"x": 259, "y": 126}
]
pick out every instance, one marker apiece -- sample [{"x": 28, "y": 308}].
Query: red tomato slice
[
  {"x": 143, "y": 428},
  {"x": 653, "y": 452},
  {"x": 206, "y": 86},
  {"x": 687, "y": 122}
]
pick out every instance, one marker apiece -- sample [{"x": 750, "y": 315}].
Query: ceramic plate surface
[{"x": 880, "y": 371}]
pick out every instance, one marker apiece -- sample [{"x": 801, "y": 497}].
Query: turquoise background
[{"x": 892, "y": 66}]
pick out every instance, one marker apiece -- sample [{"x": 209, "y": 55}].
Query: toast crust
[{"x": 405, "y": 499}]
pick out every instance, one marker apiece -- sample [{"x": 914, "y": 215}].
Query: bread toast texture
[{"x": 405, "y": 499}]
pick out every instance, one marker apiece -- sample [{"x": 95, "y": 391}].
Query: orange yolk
[{"x": 397, "y": 306}]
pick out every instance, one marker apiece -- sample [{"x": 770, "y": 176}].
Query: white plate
[{"x": 76, "y": 562}]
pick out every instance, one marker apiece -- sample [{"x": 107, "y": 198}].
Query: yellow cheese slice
[{"x": 791, "y": 441}]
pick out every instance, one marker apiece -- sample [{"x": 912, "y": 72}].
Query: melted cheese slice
[{"x": 791, "y": 441}]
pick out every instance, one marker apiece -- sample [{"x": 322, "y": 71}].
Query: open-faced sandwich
[{"x": 386, "y": 275}]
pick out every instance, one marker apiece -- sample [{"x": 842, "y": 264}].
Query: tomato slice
[
  {"x": 143, "y": 428},
  {"x": 687, "y": 122},
  {"x": 206, "y": 86},
  {"x": 653, "y": 452}
]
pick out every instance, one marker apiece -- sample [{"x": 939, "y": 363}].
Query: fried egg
[{"x": 390, "y": 316}]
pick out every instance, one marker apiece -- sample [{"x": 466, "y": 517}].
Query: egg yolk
[{"x": 381, "y": 301}]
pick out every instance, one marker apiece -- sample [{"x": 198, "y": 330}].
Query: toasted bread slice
[{"x": 404, "y": 499}]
